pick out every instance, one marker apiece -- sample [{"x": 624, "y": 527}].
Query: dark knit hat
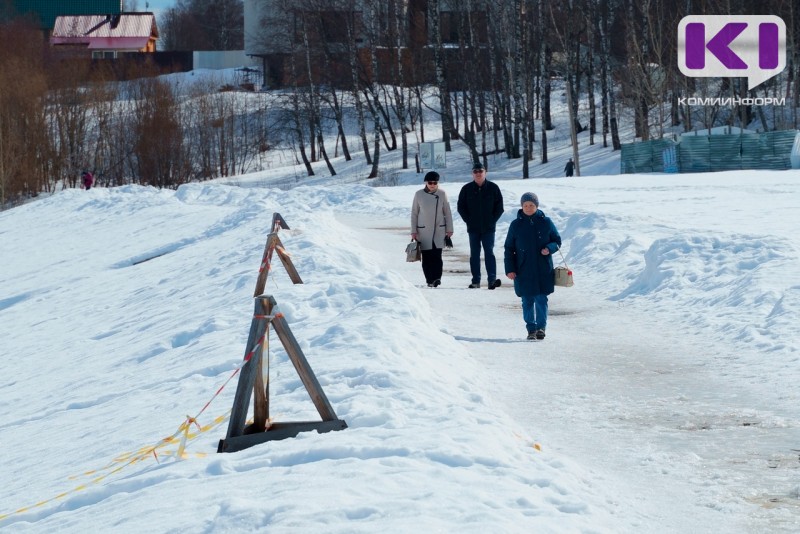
[
  {"x": 529, "y": 197},
  {"x": 432, "y": 176},
  {"x": 478, "y": 166}
]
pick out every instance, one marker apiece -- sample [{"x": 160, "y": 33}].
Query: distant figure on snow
[
  {"x": 87, "y": 180},
  {"x": 569, "y": 167},
  {"x": 432, "y": 226}
]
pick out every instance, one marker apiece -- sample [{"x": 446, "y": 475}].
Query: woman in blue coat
[{"x": 531, "y": 241}]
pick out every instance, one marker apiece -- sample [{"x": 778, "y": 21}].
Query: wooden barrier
[
  {"x": 241, "y": 436},
  {"x": 251, "y": 378}
]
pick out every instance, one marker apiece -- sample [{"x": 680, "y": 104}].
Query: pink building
[{"x": 104, "y": 36}]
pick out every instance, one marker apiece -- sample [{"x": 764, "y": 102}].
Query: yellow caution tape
[{"x": 130, "y": 458}]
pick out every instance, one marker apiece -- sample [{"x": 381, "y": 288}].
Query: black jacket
[{"x": 480, "y": 207}]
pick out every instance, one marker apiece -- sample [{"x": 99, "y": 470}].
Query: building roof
[{"x": 127, "y": 31}]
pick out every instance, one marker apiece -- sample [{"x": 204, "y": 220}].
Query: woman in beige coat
[{"x": 431, "y": 223}]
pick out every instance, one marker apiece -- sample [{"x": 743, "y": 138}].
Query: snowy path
[{"x": 675, "y": 450}]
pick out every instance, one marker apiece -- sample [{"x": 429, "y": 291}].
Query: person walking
[
  {"x": 569, "y": 167},
  {"x": 87, "y": 179},
  {"x": 432, "y": 226},
  {"x": 531, "y": 241},
  {"x": 480, "y": 205}
]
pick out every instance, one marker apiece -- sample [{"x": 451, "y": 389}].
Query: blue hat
[{"x": 529, "y": 197}]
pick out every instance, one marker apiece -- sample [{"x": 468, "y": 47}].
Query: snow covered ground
[{"x": 664, "y": 398}]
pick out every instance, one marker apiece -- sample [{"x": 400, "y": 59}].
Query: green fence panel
[
  {"x": 658, "y": 146},
  {"x": 781, "y": 143},
  {"x": 635, "y": 158},
  {"x": 704, "y": 153},
  {"x": 725, "y": 152},
  {"x": 695, "y": 153}
]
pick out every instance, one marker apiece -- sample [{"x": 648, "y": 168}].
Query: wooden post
[
  {"x": 260, "y": 389},
  {"x": 252, "y": 365}
]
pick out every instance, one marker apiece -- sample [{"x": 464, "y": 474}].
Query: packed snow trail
[{"x": 654, "y": 383}]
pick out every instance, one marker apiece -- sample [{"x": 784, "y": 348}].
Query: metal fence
[{"x": 707, "y": 153}]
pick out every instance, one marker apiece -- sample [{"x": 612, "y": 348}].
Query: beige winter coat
[{"x": 431, "y": 218}]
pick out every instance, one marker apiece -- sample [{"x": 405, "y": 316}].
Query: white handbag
[
  {"x": 562, "y": 275},
  {"x": 414, "y": 251}
]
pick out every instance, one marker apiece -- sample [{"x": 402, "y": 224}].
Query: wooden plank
[
  {"x": 266, "y": 260},
  {"x": 276, "y": 432},
  {"x": 260, "y": 389},
  {"x": 303, "y": 369},
  {"x": 241, "y": 400},
  {"x": 260, "y": 414},
  {"x": 287, "y": 263}
]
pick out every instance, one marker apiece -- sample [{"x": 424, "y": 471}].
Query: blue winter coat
[{"x": 527, "y": 236}]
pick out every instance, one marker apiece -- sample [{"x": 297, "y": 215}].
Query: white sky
[
  {"x": 664, "y": 398},
  {"x": 154, "y": 5}
]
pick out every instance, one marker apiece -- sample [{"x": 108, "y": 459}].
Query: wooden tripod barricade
[
  {"x": 241, "y": 436},
  {"x": 251, "y": 378}
]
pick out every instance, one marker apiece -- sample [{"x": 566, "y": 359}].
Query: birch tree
[
  {"x": 434, "y": 19},
  {"x": 314, "y": 108}
]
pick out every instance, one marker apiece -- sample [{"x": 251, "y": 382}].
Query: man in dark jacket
[
  {"x": 480, "y": 205},
  {"x": 531, "y": 241}
]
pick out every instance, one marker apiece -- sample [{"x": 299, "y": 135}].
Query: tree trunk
[
  {"x": 592, "y": 17},
  {"x": 573, "y": 132},
  {"x": 322, "y": 151},
  {"x": 399, "y": 88},
  {"x": 439, "y": 67},
  {"x": 355, "y": 88}
]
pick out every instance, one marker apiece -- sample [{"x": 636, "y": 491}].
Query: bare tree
[
  {"x": 398, "y": 32},
  {"x": 70, "y": 106},
  {"x": 204, "y": 25},
  {"x": 569, "y": 45},
  {"x": 591, "y": 29},
  {"x": 434, "y": 19},
  {"x": 158, "y": 137},
  {"x": 610, "y": 126},
  {"x": 24, "y": 143},
  {"x": 371, "y": 91},
  {"x": 298, "y": 119},
  {"x": 314, "y": 110}
]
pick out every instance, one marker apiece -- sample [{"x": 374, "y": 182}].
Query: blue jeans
[
  {"x": 534, "y": 312},
  {"x": 476, "y": 241}
]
